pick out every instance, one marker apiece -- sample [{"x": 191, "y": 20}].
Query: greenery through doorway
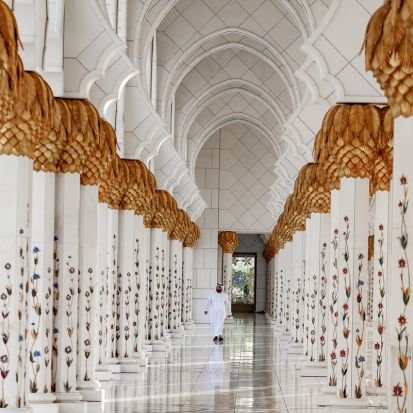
[{"x": 244, "y": 273}]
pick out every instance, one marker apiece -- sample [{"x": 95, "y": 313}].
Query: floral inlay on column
[
  {"x": 322, "y": 303},
  {"x": 400, "y": 390},
  {"x": 313, "y": 311},
  {"x": 126, "y": 303},
  {"x": 136, "y": 300},
  {"x": 47, "y": 308},
  {"x": 344, "y": 353},
  {"x": 287, "y": 307},
  {"x": 332, "y": 380},
  {"x": 56, "y": 295},
  {"x": 360, "y": 358},
  {"x": 70, "y": 273},
  {"x": 297, "y": 309},
  {"x": 379, "y": 345},
  {"x": 281, "y": 311},
  {"x": 22, "y": 316},
  {"x": 5, "y": 297},
  {"x": 34, "y": 353},
  {"x": 102, "y": 317},
  {"x": 88, "y": 342}
]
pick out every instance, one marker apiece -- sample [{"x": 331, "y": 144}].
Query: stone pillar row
[
  {"x": 327, "y": 286},
  {"x": 96, "y": 261}
]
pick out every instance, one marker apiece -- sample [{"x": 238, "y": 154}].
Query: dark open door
[{"x": 244, "y": 272}]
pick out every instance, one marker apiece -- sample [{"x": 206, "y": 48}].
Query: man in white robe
[{"x": 218, "y": 307}]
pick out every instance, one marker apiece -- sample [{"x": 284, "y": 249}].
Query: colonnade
[
  {"x": 96, "y": 261},
  {"x": 357, "y": 332}
]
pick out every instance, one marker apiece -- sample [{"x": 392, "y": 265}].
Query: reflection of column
[
  {"x": 228, "y": 241},
  {"x": 15, "y": 192},
  {"x": 66, "y": 297},
  {"x": 40, "y": 284}
]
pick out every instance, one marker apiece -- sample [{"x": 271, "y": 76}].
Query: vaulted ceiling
[{"x": 220, "y": 61}]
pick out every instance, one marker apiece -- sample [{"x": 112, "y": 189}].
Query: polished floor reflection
[{"x": 247, "y": 373}]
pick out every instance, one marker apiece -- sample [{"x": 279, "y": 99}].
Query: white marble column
[
  {"x": 128, "y": 290},
  {"x": 67, "y": 202},
  {"x": 308, "y": 283},
  {"x": 87, "y": 339},
  {"x": 187, "y": 265},
  {"x": 15, "y": 206},
  {"x": 317, "y": 259},
  {"x": 297, "y": 286},
  {"x": 103, "y": 372},
  {"x": 400, "y": 323},
  {"x": 158, "y": 345},
  {"x": 227, "y": 277},
  {"x": 281, "y": 288},
  {"x": 39, "y": 371},
  {"x": 166, "y": 335},
  {"x": 140, "y": 250},
  {"x": 288, "y": 291},
  {"x": 112, "y": 359},
  {"x": 352, "y": 293},
  {"x": 175, "y": 299},
  {"x": 332, "y": 294}
]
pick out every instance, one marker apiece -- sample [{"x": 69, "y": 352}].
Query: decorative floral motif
[
  {"x": 287, "y": 307},
  {"x": 313, "y": 306},
  {"x": 88, "y": 342},
  {"x": 102, "y": 324},
  {"x": 5, "y": 298},
  {"x": 379, "y": 345},
  {"x": 35, "y": 361},
  {"x": 297, "y": 310},
  {"x": 332, "y": 380},
  {"x": 322, "y": 303},
  {"x": 48, "y": 297},
  {"x": 404, "y": 353},
  {"x": 70, "y": 329},
  {"x": 56, "y": 295},
  {"x": 22, "y": 316},
  {"x": 281, "y": 311},
  {"x": 137, "y": 298},
  {"x": 126, "y": 306},
  {"x": 344, "y": 353},
  {"x": 360, "y": 359}
]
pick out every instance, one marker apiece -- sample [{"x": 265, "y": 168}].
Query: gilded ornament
[{"x": 228, "y": 241}]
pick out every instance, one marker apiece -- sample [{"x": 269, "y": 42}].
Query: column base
[
  {"x": 129, "y": 365},
  {"x": 26, "y": 409},
  {"x": 294, "y": 349},
  {"x": 141, "y": 358},
  {"x": 189, "y": 325},
  {"x": 329, "y": 390},
  {"x": 42, "y": 403},
  {"x": 103, "y": 372},
  {"x": 177, "y": 335},
  {"x": 90, "y": 391},
  {"x": 376, "y": 391},
  {"x": 337, "y": 405},
  {"x": 159, "y": 349},
  {"x": 314, "y": 369},
  {"x": 113, "y": 365},
  {"x": 71, "y": 403}
]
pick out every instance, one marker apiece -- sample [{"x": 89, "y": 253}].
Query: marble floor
[{"x": 249, "y": 372}]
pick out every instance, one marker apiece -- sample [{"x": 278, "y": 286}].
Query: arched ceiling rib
[{"x": 220, "y": 62}]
